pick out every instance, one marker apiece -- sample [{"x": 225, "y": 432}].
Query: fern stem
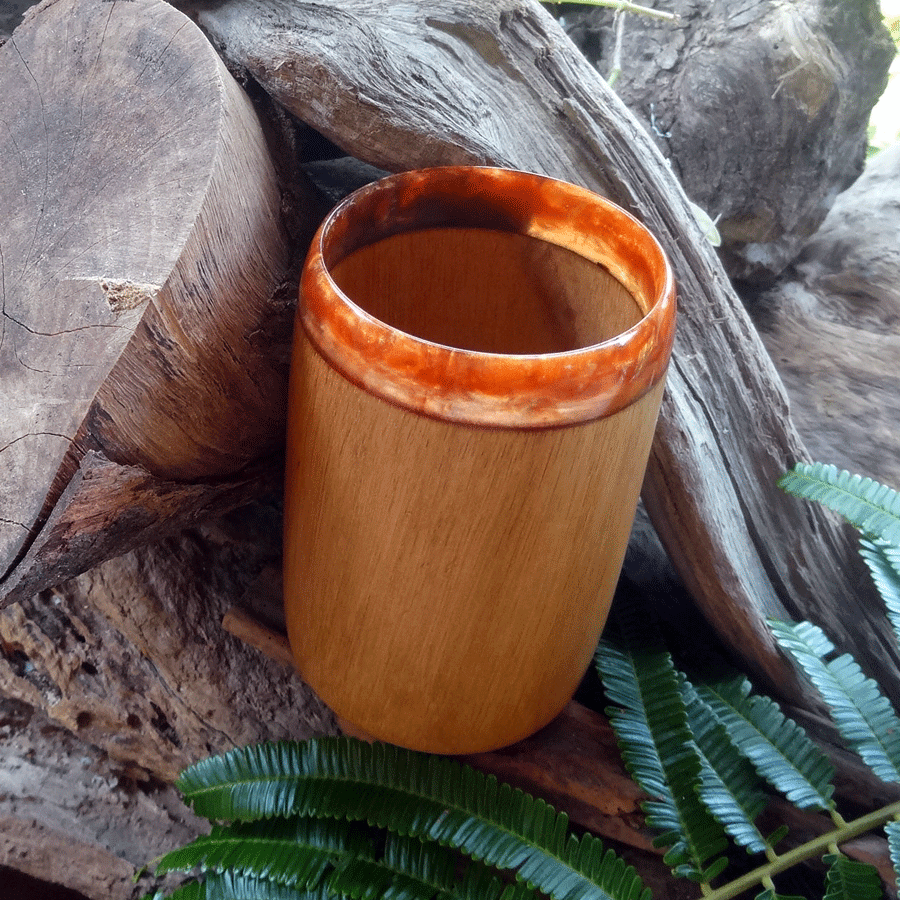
[
  {"x": 624, "y": 6},
  {"x": 805, "y": 851}
]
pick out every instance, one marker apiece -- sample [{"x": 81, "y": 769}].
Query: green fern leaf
[
  {"x": 883, "y": 560},
  {"x": 872, "y": 507},
  {"x": 365, "y": 879},
  {"x": 848, "y": 879},
  {"x": 411, "y": 869},
  {"x": 729, "y": 785},
  {"x": 193, "y": 890},
  {"x": 414, "y": 794},
  {"x": 892, "y": 830},
  {"x": 778, "y": 747},
  {"x": 769, "y": 894},
  {"x": 296, "y": 852},
  {"x": 650, "y": 723},
  {"x": 424, "y": 863},
  {"x": 232, "y": 886},
  {"x": 863, "y": 715}
]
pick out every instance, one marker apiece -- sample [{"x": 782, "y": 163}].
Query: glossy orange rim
[{"x": 491, "y": 389}]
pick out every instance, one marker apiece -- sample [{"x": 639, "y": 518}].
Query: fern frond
[
  {"x": 883, "y": 560},
  {"x": 193, "y": 890},
  {"x": 232, "y": 886},
  {"x": 650, "y": 723},
  {"x": 729, "y": 785},
  {"x": 892, "y": 830},
  {"x": 872, "y": 507},
  {"x": 424, "y": 862},
  {"x": 848, "y": 879},
  {"x": 411, "y": 869},
  {"x": 414, "y": 794},
  {"x": 779, "y": 749},
  {"x": 296, "y": 852},
  {"x": 862, "y": 714}
]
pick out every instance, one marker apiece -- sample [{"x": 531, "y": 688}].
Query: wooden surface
[
  {"x": 131, "y": 657},
  {"x": 448, "y": 601},
  {"x": 409, "y": 86},
  {"x": 141, "y": 244},
  {"x": 69, "y": 816},
  {"x": 447, "y": 578},
  {"x": 760, "y": 107},
  {"x": 833, "y": 328}
]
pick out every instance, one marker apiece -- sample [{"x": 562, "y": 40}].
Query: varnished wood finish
[
  {"x": 447, "y": 570},
  {"x": 556, "y": 285}
]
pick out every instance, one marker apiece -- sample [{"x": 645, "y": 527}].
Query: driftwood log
[
  {"x": 413, "y": 86},
  {"x": 760, "y": 107},
  {"x": 141, "y": 248},
  {"x": 831, "y": 326},
  {"x": 70, "y": 816}
]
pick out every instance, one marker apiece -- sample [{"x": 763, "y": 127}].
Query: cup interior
[{"x": 486, "y": 290}]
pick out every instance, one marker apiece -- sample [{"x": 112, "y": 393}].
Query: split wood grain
[{"x": 140, "y": 247}]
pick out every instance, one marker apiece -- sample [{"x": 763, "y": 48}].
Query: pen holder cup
[{"x": 478, "y": 365}]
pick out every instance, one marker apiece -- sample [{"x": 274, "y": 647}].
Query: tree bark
[
  {"x": 414, "y": 85},
  {"x": 831, "y": 327},
  {"x": 760, "y": 107},
  {"x": 72, "y": 818},
  {"x": 132, "y": 656},
  {"x": 142, "y": 246}
]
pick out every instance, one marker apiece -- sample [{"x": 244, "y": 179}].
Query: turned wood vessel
[{"x": 479, "y": 359}]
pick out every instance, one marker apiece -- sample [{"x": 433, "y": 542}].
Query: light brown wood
[
  {"x": 141, "y": 244},
  {"x": 418, "y": 85},
  {"x": 447, "y": 574},
  {"x": 239, "y": 623}
]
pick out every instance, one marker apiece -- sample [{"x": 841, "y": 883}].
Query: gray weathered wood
[
  {"x": 832, "y": 326},
  {"x": 410, "y": 85},
  {"x": 761, "y": 108},
  {"x": 132, "y": 656},
  {"x": 140, "y": 246},
  {"x": 71, "y": 817}
]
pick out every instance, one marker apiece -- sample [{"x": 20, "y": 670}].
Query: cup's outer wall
[
  {"x": 446, "y": 585},
  {"x": 446, "y": 582}
]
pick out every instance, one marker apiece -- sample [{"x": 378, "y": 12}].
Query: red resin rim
[{"x": 491, "y": 389}]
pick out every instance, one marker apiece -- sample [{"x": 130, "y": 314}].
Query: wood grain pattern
[
  {"x": 140, "y": 246},
  {"x": 449, "y": 563}
]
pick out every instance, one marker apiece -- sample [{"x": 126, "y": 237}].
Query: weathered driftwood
[
  {"x": 760, "y": 107},
  {"x": 419, "y": 85},
  {"x": 832, "y": 328},
  {"x": 72, "y": 818},
  {"x": 132, "y": 656},
  {"x": 140, "y": 248}
]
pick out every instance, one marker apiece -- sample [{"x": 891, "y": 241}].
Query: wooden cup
[{"x": 479, "y": 359}]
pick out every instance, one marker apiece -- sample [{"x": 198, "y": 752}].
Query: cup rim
[{"x": 476, "y": 387}]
